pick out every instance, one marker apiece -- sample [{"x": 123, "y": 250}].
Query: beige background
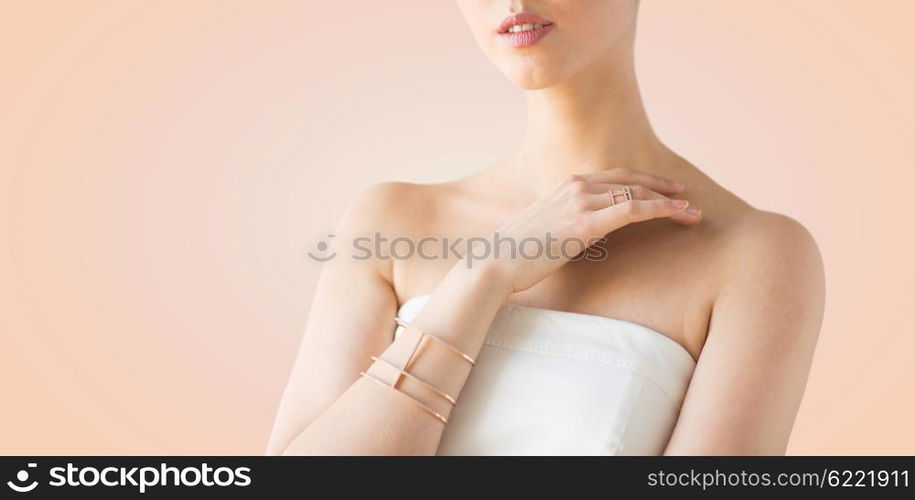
[{"x": 166, "y": 165}]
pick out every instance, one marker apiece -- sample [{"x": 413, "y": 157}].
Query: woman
[{"x": 691, "y": 332}]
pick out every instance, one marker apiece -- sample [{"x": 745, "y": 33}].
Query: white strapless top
[{"x": 552, "y": 382}]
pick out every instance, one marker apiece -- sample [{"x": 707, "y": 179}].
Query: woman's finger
[
  {"x": 622, "y": 214},
  {"x": 601, "y": 198}
]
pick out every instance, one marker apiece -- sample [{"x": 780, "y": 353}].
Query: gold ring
[{"x": 625, "y": 192}]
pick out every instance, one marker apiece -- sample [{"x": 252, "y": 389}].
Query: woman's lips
[
  {"x": 524, "y": 30},
  {"x": 528, "y": 38}
]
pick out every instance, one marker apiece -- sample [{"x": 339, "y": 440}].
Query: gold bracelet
[
  {"x": 440, "y": 341},
  {"x": 422, "y": 405},
  {"x": 414, "y": 377}
]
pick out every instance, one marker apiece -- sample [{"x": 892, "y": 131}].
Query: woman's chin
[
  {"x": 532, "y": 80},
  {"x": 532, "y": 85}
]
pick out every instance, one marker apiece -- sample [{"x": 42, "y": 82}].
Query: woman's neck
[{"x": 595, "y": 121}]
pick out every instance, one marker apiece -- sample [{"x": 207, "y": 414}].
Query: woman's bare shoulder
[
  {"x": 772, "y": 257},
  {"x": 397, "y": 208},
  {"x": 760, "y": 234},
  {"x": 743, "y": 230}
]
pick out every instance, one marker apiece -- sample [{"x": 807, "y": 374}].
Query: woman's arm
[
  {"x": 328, "y": 409},
  {"x": 751, "y": 375},
  {"x": 370, "y": 419}
]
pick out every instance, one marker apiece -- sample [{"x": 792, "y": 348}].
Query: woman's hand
[{"x": 574, "y": 216}]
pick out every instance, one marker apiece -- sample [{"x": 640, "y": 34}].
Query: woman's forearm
[{"x": 371, "y": 419}]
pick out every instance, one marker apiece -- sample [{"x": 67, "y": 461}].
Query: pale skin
[{"x": 740, "y": 289}]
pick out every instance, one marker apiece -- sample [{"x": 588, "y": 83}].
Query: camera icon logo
[{"x": 21, "y": 477}]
